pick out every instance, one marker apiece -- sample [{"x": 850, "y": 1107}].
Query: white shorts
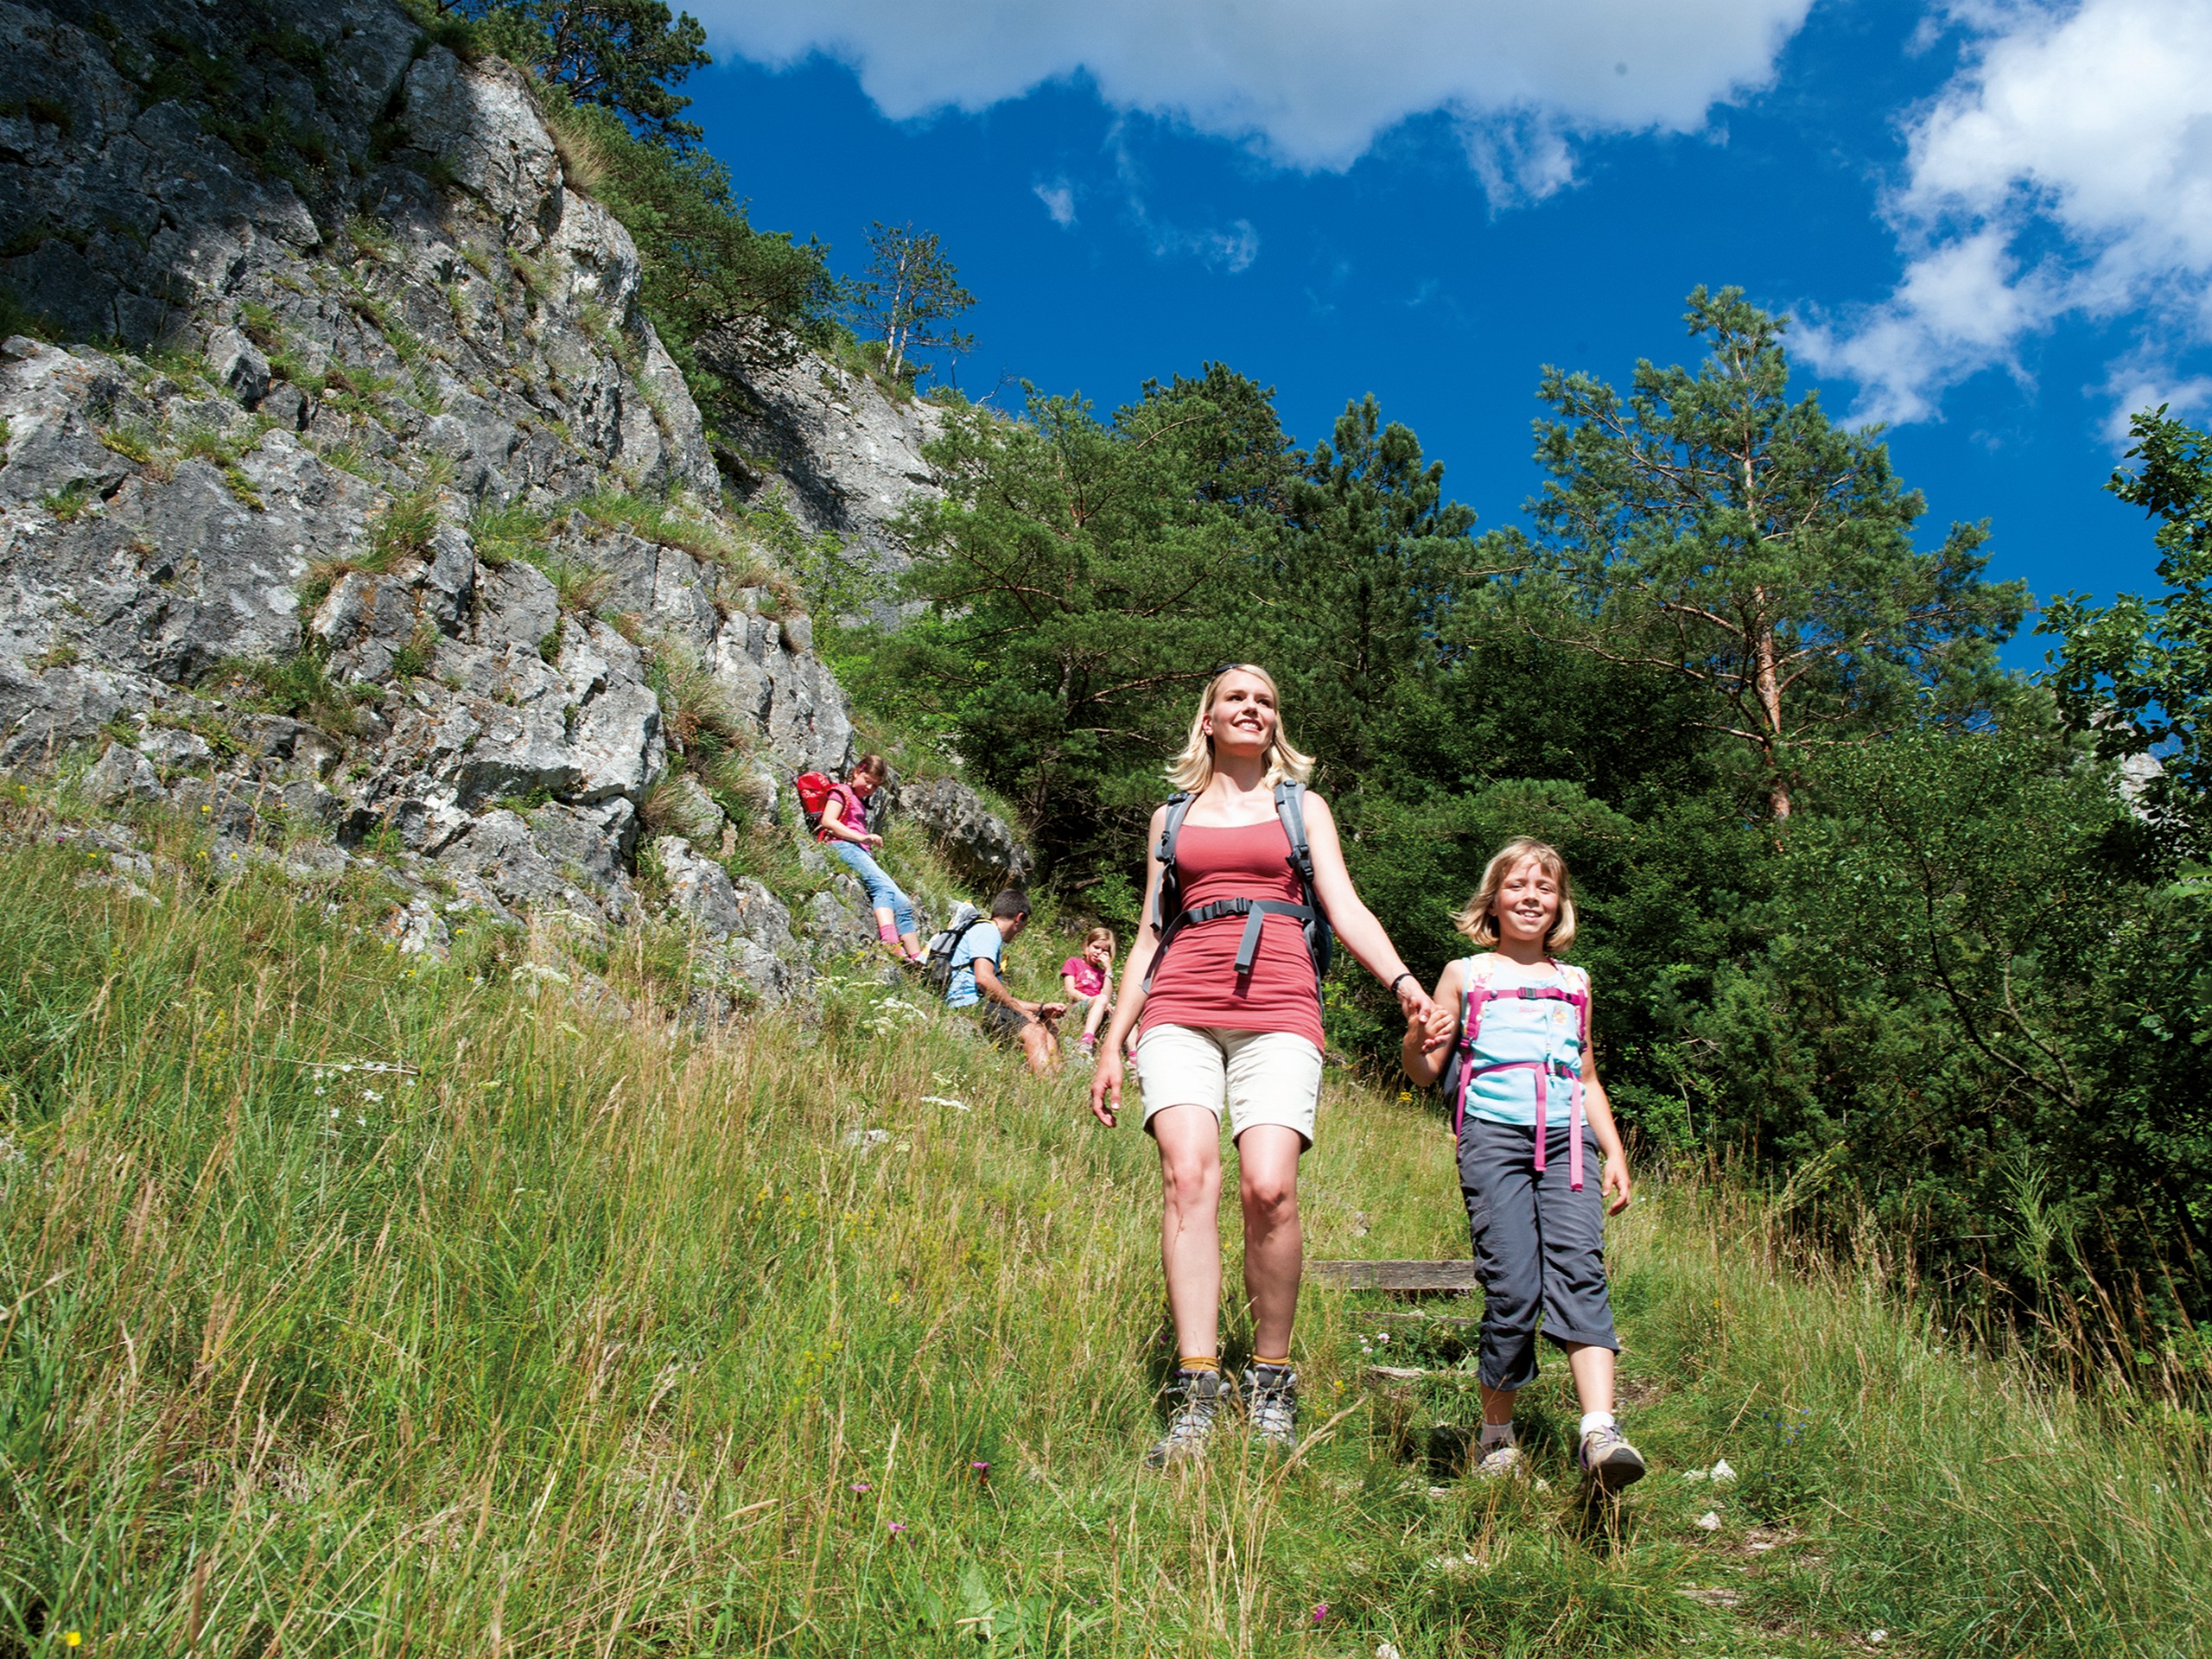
[{"x": 1263, "y": 1077}]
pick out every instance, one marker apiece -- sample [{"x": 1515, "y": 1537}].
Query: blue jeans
[{"x": 883, "y": 893}]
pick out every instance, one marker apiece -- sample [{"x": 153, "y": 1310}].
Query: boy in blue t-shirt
[{"x": 1007, "y": 1018}]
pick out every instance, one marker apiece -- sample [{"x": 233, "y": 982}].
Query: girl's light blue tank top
[{"x": 1517, "y": 1028}]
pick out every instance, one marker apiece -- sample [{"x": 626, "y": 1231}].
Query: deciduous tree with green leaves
[
  {"x": 2138, "y": 672},
  {"x": 1708, "y": 525},
  {"x": 1081, "y": 577},
  {"x": 910, "y": 295}
]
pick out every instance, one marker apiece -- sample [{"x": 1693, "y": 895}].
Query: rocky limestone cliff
[
  {"x": 845, "y": 457},
  {"x": 379, "y": 507}
]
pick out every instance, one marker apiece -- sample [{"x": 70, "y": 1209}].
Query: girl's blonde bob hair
[
  {"x": 1478, "y": 922},
  {"x": 1193, "y": 770}
]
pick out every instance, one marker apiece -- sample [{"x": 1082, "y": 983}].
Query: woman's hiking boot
[
  {"x": 1609, "y": 1462},
  {"x": 1198, "y": 1397},
  {"x": 1271, "y": 1399}
]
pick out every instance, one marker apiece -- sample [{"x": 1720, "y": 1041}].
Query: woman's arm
[
  {"x": 1354, "y": 923},
  {"x": 1106, "y": 1079},
  {"x": 1422, "y": 1053}
]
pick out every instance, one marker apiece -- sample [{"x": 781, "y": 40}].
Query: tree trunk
[{"x": 1769, "y": 690}]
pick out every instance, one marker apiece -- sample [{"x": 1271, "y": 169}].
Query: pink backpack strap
[
  {"x": 1578, "y": 982},
  {"x": 1478, "y": 993}
]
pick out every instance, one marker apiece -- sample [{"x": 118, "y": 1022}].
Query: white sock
[
  {"x": 1497, "y": 1434},
  {"x": 1596, "y": 1419}
]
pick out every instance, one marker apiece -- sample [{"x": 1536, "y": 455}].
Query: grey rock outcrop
[
  {"x": 745, "y": 929},
  {"x": 844, "y": 456},
  {"x": 122, "y": 774},
  {"x": 688, "y": 811},
  {"x": 978, "y": 844},
  {"x": 324, "y": 547}
]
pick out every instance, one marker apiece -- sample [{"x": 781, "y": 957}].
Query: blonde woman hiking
[
  {"x": 1530, "y": 1114},
  {"x": 1243, "y": 880}
]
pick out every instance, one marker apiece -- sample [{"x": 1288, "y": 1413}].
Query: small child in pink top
[{"x": 1090, "y": 981}]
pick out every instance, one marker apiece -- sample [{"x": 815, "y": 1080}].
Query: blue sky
[{"x": 1995, "y": 220}]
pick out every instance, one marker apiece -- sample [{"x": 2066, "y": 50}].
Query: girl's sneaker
[
  {"x": 1191, "y": 1427},
  {"x": 1086, "y": 1045},
  {"x": 1271, "y": 1397},
  {"x": 1609, "y": 1462},
  {"x": 1502, "y": 1463}
]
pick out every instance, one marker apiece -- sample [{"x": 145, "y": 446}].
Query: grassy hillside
[{"x": 353, "y": 1304}]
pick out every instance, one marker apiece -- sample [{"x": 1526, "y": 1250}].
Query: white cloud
[
  {"x": 1232, "y": 249},
  {"x": 2065, "y": 171},
  {"x": 1059, "y": 198},
  {"x": 1311, "y": 82}
]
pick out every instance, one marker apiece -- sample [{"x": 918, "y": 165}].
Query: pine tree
[
  {"x": 1375, "y": 559},
  {"x": 910, "y": 295},
  {"x": 1707, "y": 525},
  {"x": 623, "y": 55}
]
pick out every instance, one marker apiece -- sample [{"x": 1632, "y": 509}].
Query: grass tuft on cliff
[{"x": 355, "y": 1304}]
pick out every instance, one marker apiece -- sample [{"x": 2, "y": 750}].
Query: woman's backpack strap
[
  {"x": 1290, "y": 807},
  {"x": 1170, "y": 905},
  {"x": 1167, "y": 910}
]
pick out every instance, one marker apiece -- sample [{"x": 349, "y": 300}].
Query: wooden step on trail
[
  {"x": 1413, "y": 1317},
  {"x": 1396, "y": 1378},
  {"x": 1393, "y": 1376},
  {"x": 1404, "y": 1278}
]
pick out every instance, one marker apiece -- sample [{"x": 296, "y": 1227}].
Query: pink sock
[{"x": 889, "y": 933}]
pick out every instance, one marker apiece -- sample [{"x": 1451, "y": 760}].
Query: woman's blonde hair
[
  {"x": 1193, "y": 770},
  {"x": 1477, "y": 922},
  {"x": 1100, "y": 935}
]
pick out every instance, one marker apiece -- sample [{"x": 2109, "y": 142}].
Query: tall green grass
[{"x": 535, "y": 1332}]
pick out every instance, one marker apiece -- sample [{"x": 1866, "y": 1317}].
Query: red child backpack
[{"x": 813, "y": 789}]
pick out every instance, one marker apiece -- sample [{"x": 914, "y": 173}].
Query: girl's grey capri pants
[{"x": 1539, "y": 1245}]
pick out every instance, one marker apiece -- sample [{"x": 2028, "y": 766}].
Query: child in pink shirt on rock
[{"x": 1090, "y": 979}]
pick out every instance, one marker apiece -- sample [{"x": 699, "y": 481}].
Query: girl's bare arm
[
  {"x": 833, "y": 820},
  {"x": 1599, "y": 1112},
  {"x": 1427, "y": 1042}
]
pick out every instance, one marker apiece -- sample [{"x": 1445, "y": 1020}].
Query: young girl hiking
[
  {"x": 1244, "y": 878},
  {"x": 1087, "y": 978},
  {"x": 1531, "y": 1116},
  {"x": 844, "y": 827}
]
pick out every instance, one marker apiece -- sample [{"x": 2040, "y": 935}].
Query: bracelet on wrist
[{"x": 1403, "y": 973}]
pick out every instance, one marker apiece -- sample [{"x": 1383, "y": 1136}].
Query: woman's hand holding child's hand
[
  {"x": 1414, "y": 1000},
  {"x": 1443, "y": 1026}
]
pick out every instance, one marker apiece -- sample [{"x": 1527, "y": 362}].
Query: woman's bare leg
[
  {"x": 1190, "y": 1223},
  {"x": 1275, "y": 1244}
]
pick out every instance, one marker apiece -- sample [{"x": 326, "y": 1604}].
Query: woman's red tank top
[{"x": 1196, "y": 982}]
